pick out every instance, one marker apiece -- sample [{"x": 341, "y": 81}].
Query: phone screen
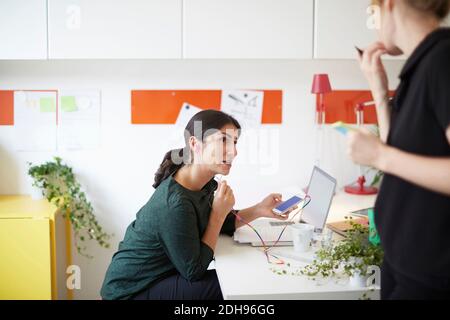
[{"x": 288, "y": 203}]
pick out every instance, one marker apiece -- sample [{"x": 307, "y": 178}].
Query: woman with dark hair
[
  {"x": 167, "y": 250},
  {"x": 413, "y": 207}
]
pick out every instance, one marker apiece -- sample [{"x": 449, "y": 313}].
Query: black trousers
[
  {"x": 395, "y": 286},
  {"x": 178, "y": 288}
]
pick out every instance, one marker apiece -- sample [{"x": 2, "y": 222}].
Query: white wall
[{"x": 118, "y": 176}]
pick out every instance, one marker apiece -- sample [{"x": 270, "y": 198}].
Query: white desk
[{"x": 244, "y": 273}]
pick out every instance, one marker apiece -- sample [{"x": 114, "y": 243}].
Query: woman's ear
[{"x": 194, "y": 144}]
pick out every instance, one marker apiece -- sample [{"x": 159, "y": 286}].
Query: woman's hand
[
  {"x": 264, "y": 208},
  {"x": 364, "y": 148},
  {"x": 223, "y": 201},
  {"x": 373, "y": 69}
]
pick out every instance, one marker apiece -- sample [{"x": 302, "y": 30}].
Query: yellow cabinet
[{"x": 35, "y": 243}]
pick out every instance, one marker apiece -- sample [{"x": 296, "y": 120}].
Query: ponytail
[{"x": 171, "y": 163}]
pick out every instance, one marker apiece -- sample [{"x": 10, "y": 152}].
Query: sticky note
[
  {"x": 68, "y": 104},
  {"x": 47, "y": 104}
]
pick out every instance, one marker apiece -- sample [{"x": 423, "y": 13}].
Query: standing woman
[
  {"x": 413, "y": 206},
  {"x": 167, "y": 250}
]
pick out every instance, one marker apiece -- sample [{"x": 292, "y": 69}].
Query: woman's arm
[
  {"x": 222, "y": 204},
  {"x": 375, "y": 73},
  {"x": 213, "y": 230},
  {"x": 427, "y": 172},
  {"x": 262, "y": 209},
  {"x": 247, "y": 215},
  {"x": 384, "y": 118},
  {"x": 432, "y": 173}
]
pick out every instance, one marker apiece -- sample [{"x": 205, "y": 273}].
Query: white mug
[{"x": 302, "y": 234}]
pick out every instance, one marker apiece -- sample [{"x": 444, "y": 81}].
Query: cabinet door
[
  {"x": 83, "y": 29},
  {"x": 25, "y": 259},
  {"x": 248, "y": 29},
  {"x": 342, "y": 25},
  {"x": 23, "y": 29}
]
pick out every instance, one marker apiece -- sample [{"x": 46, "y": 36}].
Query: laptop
[{"x": 321, "y": 189}]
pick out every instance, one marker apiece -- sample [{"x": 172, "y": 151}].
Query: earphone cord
[{"x": 267, "y": 248}]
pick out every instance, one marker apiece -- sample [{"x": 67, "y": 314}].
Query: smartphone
[
  {"x": 342, "y": 127},
  {"x": 285, "y": 206}
]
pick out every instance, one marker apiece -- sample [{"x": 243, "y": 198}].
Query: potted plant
[
  {"x": 351, "y": 256},
  {"x": 60, "y": 186}
]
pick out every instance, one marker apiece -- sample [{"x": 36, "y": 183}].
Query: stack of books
[{"x": 341, "y": 227}]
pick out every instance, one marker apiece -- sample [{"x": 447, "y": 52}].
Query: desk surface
[{"x": 244, "y": 273}]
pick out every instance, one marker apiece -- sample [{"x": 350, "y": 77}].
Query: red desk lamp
[
  {"x": 360, "y": 188},
  {"x": 321, "y": 85}
]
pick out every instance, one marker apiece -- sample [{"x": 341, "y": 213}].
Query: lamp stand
[
  {"x": 360, "y": 188},
  {"x": 320, "y": 120}
]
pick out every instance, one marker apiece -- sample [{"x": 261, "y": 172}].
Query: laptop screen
[{"x": 321, "y": 190}]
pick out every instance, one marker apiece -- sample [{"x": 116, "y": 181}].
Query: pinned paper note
[
  {"x": 187, "y": 111},
  {"x": 35, "y": 120},
  {"x": 244, "y": 105},
  {"x": 47, "y": 104},
  {"x": 79, "y": 119},
  {"x": 176, "y": 138},
  {"x": 68, "y": 104}
]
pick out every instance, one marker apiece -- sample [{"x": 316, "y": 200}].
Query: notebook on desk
[{"x": 341, "y": 227}]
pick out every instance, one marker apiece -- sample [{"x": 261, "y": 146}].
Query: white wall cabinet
[
  {"x": 248, "y": 29},
  {"x": 23, "y": 29},
  {"x": 339, "y": 26},
  {"x": 342, "y": 25},
  {"x": 190, "y": 29},
  {"x": 105, "y": 29}
]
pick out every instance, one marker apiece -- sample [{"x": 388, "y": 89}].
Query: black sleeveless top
[{"x": 413, "y": 222}]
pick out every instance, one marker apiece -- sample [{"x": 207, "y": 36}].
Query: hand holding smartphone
[{"x": 287, "y": 205}]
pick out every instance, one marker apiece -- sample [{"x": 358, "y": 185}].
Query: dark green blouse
[{"x": 164, "y": 239}]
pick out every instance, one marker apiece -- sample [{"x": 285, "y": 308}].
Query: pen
[{"x": 361, "y": 52}]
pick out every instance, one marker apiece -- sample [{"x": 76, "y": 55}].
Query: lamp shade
[{"x": 321, "y": 84}]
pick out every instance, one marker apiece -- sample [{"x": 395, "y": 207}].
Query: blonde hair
[{"x": 438, "y": 8}]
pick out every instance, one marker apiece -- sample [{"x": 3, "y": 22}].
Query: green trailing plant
[
  {"x": 379, "y": 174},
  {"x": 60, "y": 186},
  {"x": 377, "y": 178},
  {"x": 351, "y": 255}
]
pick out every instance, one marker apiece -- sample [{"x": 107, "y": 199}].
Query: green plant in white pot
[
  {"x": 60, "y": 186},
  {"x": 351, "y": 256}
]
